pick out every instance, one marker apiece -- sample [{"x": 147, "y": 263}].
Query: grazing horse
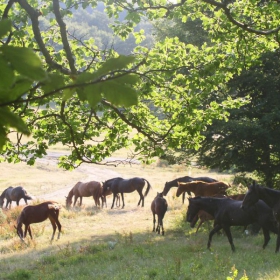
[
  {"x": 205, "y": 217},
  {"x": 186, "y": 179},
  {"x": 81, "y": 190},
  {"x": 271, "y": 197},
  {"x": 119, "y": 185},
  {"x": 36, "y": 214},
  {"x": 200, "y": 188},
  {"x": 227, "y": 212},
  {"x": 14, "y": 194},
  {"x": 159, "y": 208}
]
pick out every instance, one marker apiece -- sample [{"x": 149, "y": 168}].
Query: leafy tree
[
  {"x": 249, "y": 140},
  {"x": 96, "y": 101}
]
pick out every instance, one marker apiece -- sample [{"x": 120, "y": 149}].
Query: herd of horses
[{"x": 260, "y": 205}]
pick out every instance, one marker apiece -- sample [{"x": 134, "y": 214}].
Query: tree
[
  {"x": 86, "y": 98},
  {"x": 249, "y": 140}
]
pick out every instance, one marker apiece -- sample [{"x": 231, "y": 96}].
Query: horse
[
  {"x": 205, "y": 217},
  {"x": 120, "y": 185},
  {"x": 200, "y": 188},
  {"x": 14, "y": 194},
  {"x": 36, "y": 214},
  {"x": 227, "y": 212},
  {"x": 159, "y": 208},
  {"x": 271, "y": 197},
  {"x": 186, "y": 179},
  {"x": 81, "y": 190}
]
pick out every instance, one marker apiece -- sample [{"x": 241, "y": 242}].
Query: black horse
[
  {"x": 227, "y": 212},
  {"x": 120, "y": 185},
  {"x": 186, "y": 179},
  {"x": 14, "y": 194},
  {"x": 270, "y": 197}
]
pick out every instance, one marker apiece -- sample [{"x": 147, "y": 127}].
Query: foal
[
  {"x": 36, "y": 214},
  {"x": 159, "y": 208}
]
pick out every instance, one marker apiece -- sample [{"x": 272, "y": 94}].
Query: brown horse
[
  {"x": 14, "y": 194},
  {"x": 200, "y": 188},
  {"x": 119, "y": 185},
  {"x": 159, "y": 208},
  {"x": 81, "y": 190},
  {"x": 185, "y": 179},
  {"x": 36, "y": 214}
]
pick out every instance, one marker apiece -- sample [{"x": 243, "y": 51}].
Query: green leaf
[
  {"x": 119, "y": 94},
  {"x": 93, "y": 93},
  {"x": 9, "y": 119},
  {"x": 54, "y": 81},
  {"x": 113, "y": 64},
  {"x": 20, "y": 87},
  {"x": 6, "y": 74},
  {"x": 5, "y": 27},
  {"x": 25, "y": 61}
]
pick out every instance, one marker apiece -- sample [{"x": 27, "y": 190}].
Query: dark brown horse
[
  {"x": 271, "y": 197},
  {"x": 119, "y": 185},
  {"x": 159, "y": 208},
  {"x": 88, "y": 189},
  {"x": 36, "y": 214},
  {"x": 14, "y": 194},
  {"x": 200, "y": 188},
  {"x": 227, "y": 212},
  {"x": 205, "y": 217},
  {"x": 186, "y": 179}
]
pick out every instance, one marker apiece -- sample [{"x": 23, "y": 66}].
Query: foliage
[
  {"x": 96, "y": 101},
  {"x": 249, "y": 141}
]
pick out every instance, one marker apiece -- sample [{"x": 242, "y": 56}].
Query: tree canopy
[{"x": 63, "y": 88}]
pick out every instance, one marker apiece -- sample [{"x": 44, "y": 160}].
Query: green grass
[{"x": 118, "y": 243}]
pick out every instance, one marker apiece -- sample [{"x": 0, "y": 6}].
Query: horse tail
[
  {"x": 148, "y": 187},
  {"x": 28, "y": 197}
]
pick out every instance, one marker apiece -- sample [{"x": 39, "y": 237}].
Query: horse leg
[
  {"x": 29, "y": 231},
  {"x": 212, "y": 232},
  {"x": 266, "y": 237},
  {"x": 161, "y": 224},
  {"x": 141, "y": 198},
  {"x": 229, "y": 236},
  {"x": 75, "y": 200},
  {"x": 114, "y": 197},
  {"x": 199, "y": 225},
  {"x": 122, "y": 200},
  {"x": 81, "y": 199},
  {"x": 154, "y": 221},
  {"x": 183, "y": 197}
]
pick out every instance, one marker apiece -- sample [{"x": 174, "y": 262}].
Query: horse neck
[
  {"x": 70, "y": 194},
  {"x": 269, "y": 196}
]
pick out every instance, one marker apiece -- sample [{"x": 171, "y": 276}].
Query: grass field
[{"x": 119, "y": 243}]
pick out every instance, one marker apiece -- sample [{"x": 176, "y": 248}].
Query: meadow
[{"x": 105, "y": 243}]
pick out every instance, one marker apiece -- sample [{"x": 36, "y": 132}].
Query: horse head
[
  {"x": 68, "y": 201},
  {"x": 19, "y": 231},
  {"x": 251, "y": 197}
]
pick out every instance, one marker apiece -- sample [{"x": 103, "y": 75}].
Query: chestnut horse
[
  {"x": 271, "y": 197},
  {"x": 200, "y": 188},
  {"x": 81, "y": 190},
  {"x": 14, "y": 194},
  {"x": 186, "y": 179},
  {"x": 119, "y": 185},
  {"x": 36, "y": 214},
  {"x": 159, "y": 208}
]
